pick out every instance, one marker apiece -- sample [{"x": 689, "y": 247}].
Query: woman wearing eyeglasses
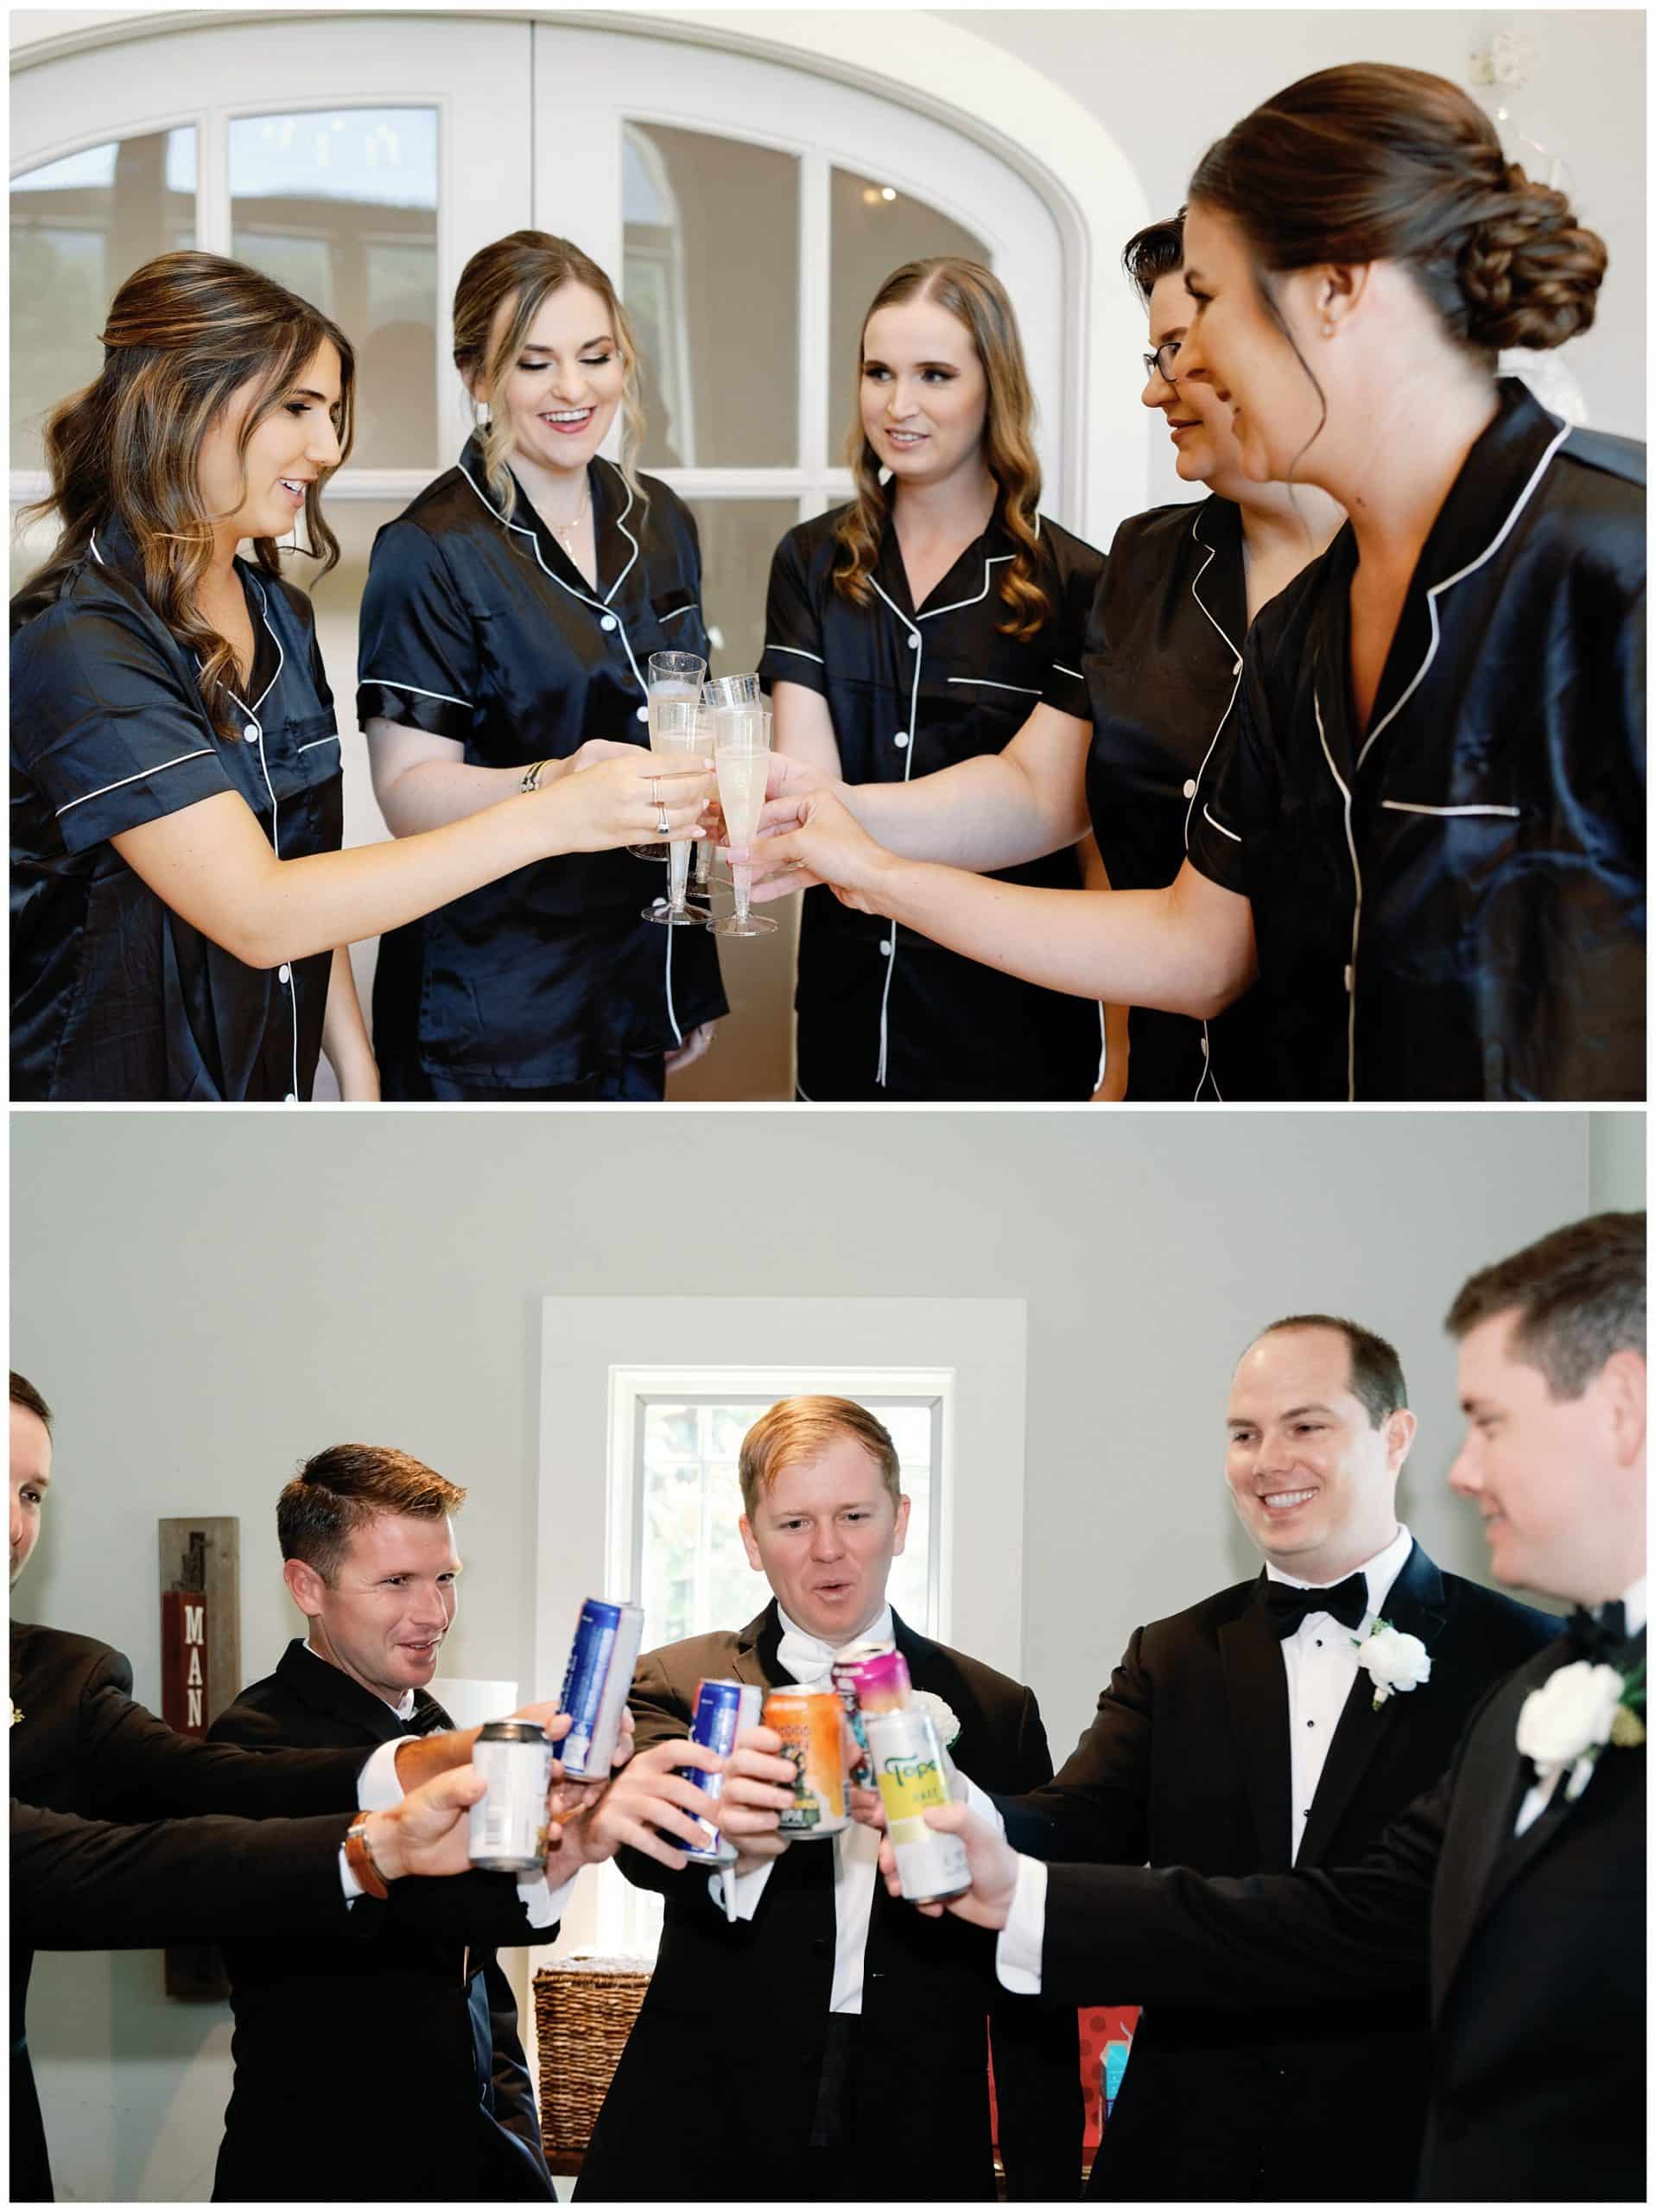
[
  {"x": 1423, "y": 827},
  {"x": 1180, "y": 590}
]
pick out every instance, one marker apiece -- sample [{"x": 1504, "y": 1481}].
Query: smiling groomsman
[
  {"x": 824, "y": 2044},
  {"x": 1283, "y": 1722}
]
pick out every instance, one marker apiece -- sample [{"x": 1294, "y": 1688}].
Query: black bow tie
[
  {"x": 1597, "y": 1633},
  {"x": 1346, "y": 1601}
]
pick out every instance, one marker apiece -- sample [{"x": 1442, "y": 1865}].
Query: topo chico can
[
  {"x": 809, "y": 1723},
  {"x": 510, "y": 1827},
  {"x": 722, "y": 1711},
  {"x": 909, "y": 1761},
  {"x": 595, "y": 1686},
  {"x": 869, "y": 1680}
]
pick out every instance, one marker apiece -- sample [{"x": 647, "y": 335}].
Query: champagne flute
[
  {"x": 679, "y": 733},
  {"x": 720, "y": 691},
  {"x": 669, "y": 675},
  {"x": 741, "y": 752}
]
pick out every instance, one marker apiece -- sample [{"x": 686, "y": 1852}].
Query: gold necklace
[{"x": 565, "y": 530}]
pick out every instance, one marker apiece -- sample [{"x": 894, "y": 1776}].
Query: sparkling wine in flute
[
  {"x": 742, "y": 756},
  {"x": 670, "y": 675},
  {"x": 677, "y": 736}
]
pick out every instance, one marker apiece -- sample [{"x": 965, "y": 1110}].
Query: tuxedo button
[{"x": 823, "y": 1947}]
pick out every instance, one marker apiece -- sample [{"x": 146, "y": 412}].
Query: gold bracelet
[{"x": 359, "y": 1858}]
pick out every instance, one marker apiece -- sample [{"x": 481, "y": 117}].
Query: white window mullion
[
  {"x": 815, "y": 368},
  {"x": 212, "y": 225}
]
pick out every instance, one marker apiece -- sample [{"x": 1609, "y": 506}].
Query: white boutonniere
[
  {"x": 1392, "y": 1660},
  {"x": 943, "y": 1716},
  {"x": 16, "y": 1715},
  {"x": 1566, "y": 1724}
]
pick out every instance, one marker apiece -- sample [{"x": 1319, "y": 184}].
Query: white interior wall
[
  {"x": 207, "y": 1298},
  {"x": 1167, "y": 82}
]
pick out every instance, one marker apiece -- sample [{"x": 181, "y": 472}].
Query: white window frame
[
  {"x": 578, "y": 1545},
  {"x": 633, "y": 1389},
  {"x": 123, "y": 76}
]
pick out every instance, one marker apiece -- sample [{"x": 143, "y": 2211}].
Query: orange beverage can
[{"x": 809, "y": 1725}]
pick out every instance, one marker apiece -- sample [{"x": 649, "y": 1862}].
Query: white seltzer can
[
  {"x": 908, "y": 1762},
  {"x": 508, "y": 1826}
]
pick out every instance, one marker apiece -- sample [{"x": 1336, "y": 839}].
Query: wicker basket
[{"x": 584, "y": 2010}]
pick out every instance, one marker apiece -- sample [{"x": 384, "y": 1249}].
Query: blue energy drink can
[
  {"x": 722, "y": 1711},
  {"x": 595, "y": 1686}
]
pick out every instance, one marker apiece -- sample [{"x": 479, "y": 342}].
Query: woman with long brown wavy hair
[
  {"x": 1422, "y": 825},
  {"x": 912, "y": 630},
  {"x": 510, "y": 617},
  {"x": 180, "y": 908}
]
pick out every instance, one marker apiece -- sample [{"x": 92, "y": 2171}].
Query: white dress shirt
[
  {"x": 1538, "y": 1796},
  {"x": 807, "y": 1660},
  {"x": 1320, "y": 1661}
]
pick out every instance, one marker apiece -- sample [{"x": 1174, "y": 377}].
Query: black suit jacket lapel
[
  {"x": 328, "y": 1689},
  {"x": 754, "y": 1659},
  {"x": 1414, "y": 1606},
  {"x": 1256, "y": 1689},
  {"x": 1487, "y": 1856}
]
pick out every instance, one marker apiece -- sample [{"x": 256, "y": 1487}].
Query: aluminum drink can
[
  {"x": 809, "y": 1723},
  {"x": 909, "y": 1761},
  {"x": 595, "y": 1686},
  {"x": 509, "y": 1827},
  {"x": 868, "y": 1681},
  {"x": 722, "y": 1711}
]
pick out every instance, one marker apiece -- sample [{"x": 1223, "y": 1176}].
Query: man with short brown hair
[
  {"x": 413, "y": 2083},
  {"x": 827, "y": 2046}
]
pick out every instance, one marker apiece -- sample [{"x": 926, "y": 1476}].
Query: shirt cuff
[
  {"x": 544, "y": 1906},
  {"x": 981, "y": 1802},
  {"x": 748, "y": 1888},
  {"x": 348, "y": 1882},
  {"x": 378, "y": 1789},
  {"x": 1017, "y": 1948}
]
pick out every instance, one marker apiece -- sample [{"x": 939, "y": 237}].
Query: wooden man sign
[{"x": 200, "y": 1672}]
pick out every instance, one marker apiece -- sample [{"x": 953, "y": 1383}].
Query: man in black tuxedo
[
  {"x": 85, "y": 1760},
  {"x": 368, "y": 1554},
  {"x": 1243, "y": 1735},
  {"x": 1513, "y": 1889},
  {"x": 824, "y": 2044}
]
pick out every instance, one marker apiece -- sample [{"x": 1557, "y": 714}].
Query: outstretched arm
[
  {"x": 1189, "y": 949},
  {"x": 992, "y": 812}
]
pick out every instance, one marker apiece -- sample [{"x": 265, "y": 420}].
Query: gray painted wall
[{"x": 208, "y": 1299}]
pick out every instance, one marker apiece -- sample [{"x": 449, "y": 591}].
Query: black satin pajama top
[
  {"x": 484, "y": 630},
  {"x": 1451, "y": 904},
  {"x": 883, "y": 1013},
  {"x": 114, "y": 995},
  {"x": 1162, "y": 659}
]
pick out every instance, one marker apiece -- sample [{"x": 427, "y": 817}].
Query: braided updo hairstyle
[{"x": 1369, "y": 162}]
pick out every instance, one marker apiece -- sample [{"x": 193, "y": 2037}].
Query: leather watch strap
[{"x": 360, "y": 1860}]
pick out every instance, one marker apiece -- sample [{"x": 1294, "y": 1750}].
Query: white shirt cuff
[
  {"x": 378, "y": 1789},
  {"x": 748, "y": 1888},
  {"x": 1017, "y": 1948},
  {"x": 979, "y": 1801},
  {"x": 543, "y": 1904},
  {"x": 348, "y": 1882}
]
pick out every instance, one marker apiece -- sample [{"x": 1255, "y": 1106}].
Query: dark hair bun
[{"x": 1530, "y": 273}]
